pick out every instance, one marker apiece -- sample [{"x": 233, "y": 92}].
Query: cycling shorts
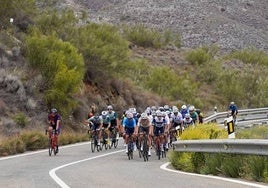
[
  {"x": 158, "y": 130},
  {"x": 144, "y": 129},
  {"x": 129, "y": 130},
  {"x": 105, "y": 125}
]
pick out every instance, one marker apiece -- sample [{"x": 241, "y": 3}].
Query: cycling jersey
[
  {"x": 113, "y": 118},
  {"x": 144, "y": 122},
  {"x": 176, "y": 119},
  {"x": 53, "y": 121},
  {"x": 129, "y": 125},
  {"x": 95, "y": 122},
  {"x": 188, "y": 121},
  {"x": 183, "y": 112}
]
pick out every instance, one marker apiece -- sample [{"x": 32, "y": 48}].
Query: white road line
[
  {"x": 164, "y": 167},
  {"x": 40, "y": 151},
  {"x": 61, "y": 183}
]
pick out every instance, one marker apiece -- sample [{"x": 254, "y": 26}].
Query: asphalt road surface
[{"x": 77, "y": 167}]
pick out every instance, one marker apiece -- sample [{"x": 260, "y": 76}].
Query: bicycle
[
  {"x": 173, "y": 136},
  {"x": 94, "y": 140},
  {"x": 52, "y": 142},
  {"x": 114, "y": 138},
  {"x": 143, "y": 146},
  {"x": 130, "y": 147},
  {"x": 159, "y": 152},
  {"x": 104, "y": 139}
]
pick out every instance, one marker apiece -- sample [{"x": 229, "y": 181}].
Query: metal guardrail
[
  {"x": 239, "y": 146},
  {"x": 221, "y": 115}
]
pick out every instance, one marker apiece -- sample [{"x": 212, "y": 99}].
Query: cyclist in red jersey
[{"x": 54, "y": 120}]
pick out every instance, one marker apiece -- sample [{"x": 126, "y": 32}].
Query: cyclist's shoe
[
  {"x": 57, "y": 149},
  {"x": 126, "y": 149},
  {"x": 141, "y": 148},
  {"x": 162, "y": 148},
  {"x": 98, "y": 143},
  {"x": 149, "y": 153}
]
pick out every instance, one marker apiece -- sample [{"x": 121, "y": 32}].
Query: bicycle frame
[
  {"x": 143, "y": 143},
  {"x": 130, "y": 146},
  {"x": 52, "y": 141}
]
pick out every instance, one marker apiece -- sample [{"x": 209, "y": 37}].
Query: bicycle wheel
[
  {"x": 115, "y": 143},
  {"x": 158, "y": 149},
  {"x": 49, "y": 147},
  {"x": 145, "y": 150},
  {"x": 93, "y": 145}
]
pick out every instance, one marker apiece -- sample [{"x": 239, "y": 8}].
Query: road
[{"x": 77, "y": 167}]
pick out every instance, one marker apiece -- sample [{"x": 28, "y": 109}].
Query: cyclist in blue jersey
[
  {"x": 184, "y": 110},
  {"x": 129, "y": 126},
  {"x": 233, "y": 108}
]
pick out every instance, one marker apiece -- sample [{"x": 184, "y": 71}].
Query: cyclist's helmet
[
  {"x": 153, "y": 108},
  {"x": 104, "y": 113},
  {"x": 176, "y": 110},
  {"x": 187, "y": 116},
  {"x": 183, "y": 107},
  {"x": 161, "y": 108},
  {"x": 232, "y": 103},
  {"x": 53, "y": 110},
  {"x": 129, "y": 115},
  {"x": 166, "y": 107},
  {"x": 191, "y": 108},
  {"x": 96, "y": 115},
  {"x": 153, "y": 113},
  {"x": 109, "y": 107},
  {"x": 159, "y": 113},
  {"x": 144, "y": 116}
]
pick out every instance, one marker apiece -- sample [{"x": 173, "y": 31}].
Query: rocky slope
[{"x": 230, "y": 24}]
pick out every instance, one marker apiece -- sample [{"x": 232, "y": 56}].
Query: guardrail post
[{"x": 229, "y": 122}]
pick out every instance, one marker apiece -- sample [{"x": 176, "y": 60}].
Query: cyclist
[
  {"x": 159, "y": 124},
  {"x": 184, "y": 110},
  {"x": 106, "y": 124},
  {"x": 233, "y": 109},
  {"x": 193, "y": 114},
  {"x": 144, "y": 125},
  {"x": 114, "y": 120},
  {"x": 129, "y": 126},
  {"x": 54, "y": 120},
  {"x": 95, "y": 125},
  {"x": 176, "y": 122},
  {"x": 187, "y": 120}
]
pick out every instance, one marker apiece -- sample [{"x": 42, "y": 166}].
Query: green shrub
[
  {"x": 232, "y": 165},
  {"x": 34, "y": 140},
  {"x": 198, "y": 160},
  {"x": 212, "y": 164},
  {"x": 181, "y": 161},
  {"x": 61, "y": 66},
  {"x": 147, "y": 37},
  {"x": 198, "y": 56},
  {"x": 21, "y": 120},
  {"x": 258, "y": 167},
  {"x": 251, "y": 56}
]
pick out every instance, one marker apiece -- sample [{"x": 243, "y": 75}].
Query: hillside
[{"x": 230, "y": 25}]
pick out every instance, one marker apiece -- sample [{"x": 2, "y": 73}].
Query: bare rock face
[{"x": 230, "y": 24}]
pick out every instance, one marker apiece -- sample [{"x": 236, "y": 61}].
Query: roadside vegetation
[
  {"x": 69, "y": 53},
  {"x": 249, "y": 167}
]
